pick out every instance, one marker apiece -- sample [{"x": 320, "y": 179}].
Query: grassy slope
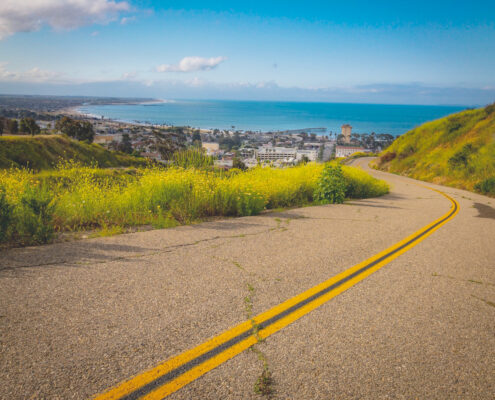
[
  {"x": 458, "y": 150},
  {"x": 45, "y": 151}
]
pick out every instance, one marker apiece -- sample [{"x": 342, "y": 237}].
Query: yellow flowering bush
[{"x": 85, "y": 197}]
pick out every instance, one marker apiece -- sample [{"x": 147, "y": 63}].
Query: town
[
  {"x": 229, "y": 147},
  {"x": 281, "y": 148}
]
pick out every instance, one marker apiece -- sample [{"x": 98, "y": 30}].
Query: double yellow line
[{"x": 171, "y": 375}]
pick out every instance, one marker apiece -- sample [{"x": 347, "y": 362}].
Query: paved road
[{"x": 80, "y": 317}]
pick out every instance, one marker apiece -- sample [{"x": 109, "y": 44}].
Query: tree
[
  {"x": 125, "y": 146},
  {"x": 12, "y": 126},
  {"x": 29, "y": 125},
  {"x": 2, "y": 125},
  {"x": 168, "y": 144},
  {"x": 237, "y": 140},
  {"x": 86, "y": 132},
  {"x": 304, "y": 160},
  {"x": 67, "y": 126},
  {"x": 196, "y": 138},
  {"x": 82, "y": 131},
  {"x": 238, "y": 163}
]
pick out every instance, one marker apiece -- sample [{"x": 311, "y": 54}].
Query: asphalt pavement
[{"x": 77, "y": 318}]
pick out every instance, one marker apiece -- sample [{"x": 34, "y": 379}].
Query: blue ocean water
[{"x": 275, "y": 116}]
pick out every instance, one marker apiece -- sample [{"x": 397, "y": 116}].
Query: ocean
[{"x": 320, "y": 118}]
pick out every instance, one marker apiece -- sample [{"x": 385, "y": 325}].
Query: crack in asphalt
[{"x": 167, "y": 249}]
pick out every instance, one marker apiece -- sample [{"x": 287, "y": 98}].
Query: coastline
[
  {"x": 263, "y": 117},
  {"x": 75, "y": 112}
]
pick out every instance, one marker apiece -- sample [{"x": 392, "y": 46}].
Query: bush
[
  {"x": 360, "y": 185},
  {"x": 461, "y": 158},
  {"x": 192, "y": 158},
  {"x": 331, "y": 186},
  {"x": 389, "y": 156},
  {"x": 90, "y": 197},
  {"x": 35, "y": 216},
  {"x": 5, "y": 216},
  {"x": 486, "y": 186},
  {"x": 408, "y": 151}
]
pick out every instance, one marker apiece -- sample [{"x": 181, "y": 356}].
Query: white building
[
  {"x": 312, "y": 155},
  {"x": 346, "y": 151},
  {"x": 275, "y": 153}
]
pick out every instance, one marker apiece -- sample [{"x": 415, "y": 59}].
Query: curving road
[{"x": 79, "y": 318}]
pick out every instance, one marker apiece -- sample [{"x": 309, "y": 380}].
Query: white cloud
[
  {"x": 126, "y": 20},
  {"x": 31, "y": 15},
  {"x": 192, "y": 64},
  {"x": 127, "y": 76},
  {"x": 34, "y": 75}
]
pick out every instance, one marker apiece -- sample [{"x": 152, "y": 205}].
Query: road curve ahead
[{"x": 381, "y": 298}]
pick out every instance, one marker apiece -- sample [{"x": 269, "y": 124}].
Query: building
[
  {"x": 346, "y": 151},
  {"x": 311, "y": 155},
  {"x": 107, "y": 139},
  {"x": 346, "y": 132},
  {"x": 224, "y": 164},
  {"x": 211, "y": 148},
  {"x": 275, "y": 153}
]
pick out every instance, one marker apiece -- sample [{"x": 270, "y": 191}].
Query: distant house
[
  {"x": 107, "y": 139},
  {"x": 225, "y": 164},
  {"x": 153, "y": 155},
  {"x": 346, "y": 151},
  {"x": 211, "y": 148}
]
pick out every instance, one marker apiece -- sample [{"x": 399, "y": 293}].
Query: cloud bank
[
  {"x": 33, "y": 75},
  {"x": 192, "y": 64},
  {"x": 31, "y": 15}
]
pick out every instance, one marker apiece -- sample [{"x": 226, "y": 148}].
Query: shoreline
[
  {"x": 277, "y": 120},
  {"x": 76, "y": 112}
]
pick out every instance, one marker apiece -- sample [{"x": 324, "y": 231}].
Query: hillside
[
  {"x": 45, "y": 151},
  {"x": 458, "y": 150}
]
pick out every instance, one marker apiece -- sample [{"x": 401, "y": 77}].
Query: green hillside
[
  {"x": 458, "y": 150},
  {"x": 45, "y": 151}
]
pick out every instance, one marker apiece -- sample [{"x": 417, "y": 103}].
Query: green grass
[
  {"x": 43, "y": 152},
  {"x": 458, "y": 151},
  {"x": 75, "y": 197}
]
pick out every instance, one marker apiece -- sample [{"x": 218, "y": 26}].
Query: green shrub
[
  {"x": 409, "y": 150},
  {"x": 461, "y": 158},
  {"x": 360, "y": 185},
  {"x": 192, "y": 158},
  {"x": 35, "y": 216},
  {"x": 76, "y": 197},
  {"x": 486, "y": 186},
  {"x": 5, "y": 216},
  {"x": 331, "y": 186}
]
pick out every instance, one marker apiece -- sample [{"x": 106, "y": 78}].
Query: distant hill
[
  {"x": 45, "y": 151},
  {"x": 458, "y": 150}
]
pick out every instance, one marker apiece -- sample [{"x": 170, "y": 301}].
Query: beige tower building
[{"x": 346, "y": 132}]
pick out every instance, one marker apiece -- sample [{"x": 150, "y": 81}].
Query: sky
[{"x": 399, "y": 52}]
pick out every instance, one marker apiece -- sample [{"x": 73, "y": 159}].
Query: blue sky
[{"x": 421, "y": 52}]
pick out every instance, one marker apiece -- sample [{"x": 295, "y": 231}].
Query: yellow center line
[{"x": 148, "y": 385}]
